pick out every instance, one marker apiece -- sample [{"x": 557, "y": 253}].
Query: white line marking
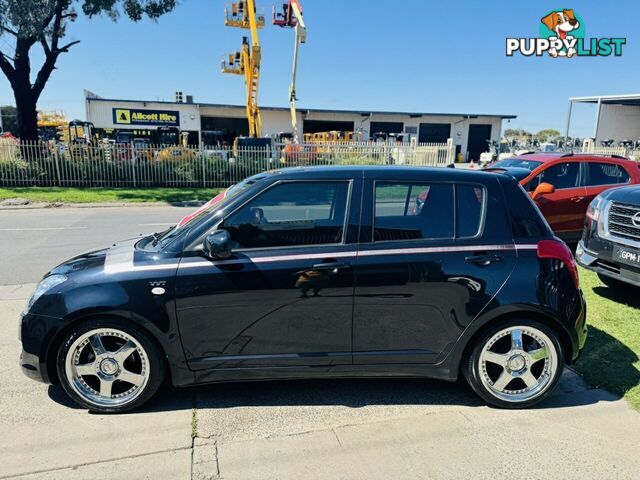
[
  {"x": 122, "y": 261},
  {"x": 30, "y": 229}
]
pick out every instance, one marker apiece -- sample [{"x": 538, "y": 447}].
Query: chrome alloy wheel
[
  {"x": 518, "y": 363},
  {"x": 107, "y": 367}
]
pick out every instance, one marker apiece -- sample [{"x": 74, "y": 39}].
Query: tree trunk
[{"x": 27, "y": 114}]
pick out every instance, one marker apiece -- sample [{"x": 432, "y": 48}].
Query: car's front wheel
[
  {"x": 109, "y": 366},
  {"x": 515, "y": 364}
]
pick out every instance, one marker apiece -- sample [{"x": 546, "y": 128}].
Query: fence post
[
  {"x": 133, "y": 163},
  {"x": 56, "y": 161},
  {"x": 451, "y": 151},
  {"x": 204, "y": 178}
]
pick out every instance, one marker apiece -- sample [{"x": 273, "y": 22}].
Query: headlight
[
  {"x": 595, "y": 207},
  {"x": 46, "y": 284}
]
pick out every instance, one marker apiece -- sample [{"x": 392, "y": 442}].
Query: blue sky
[{"x": 425, "y": 56}]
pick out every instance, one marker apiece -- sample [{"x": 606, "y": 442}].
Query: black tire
[
  {"x": 615, "y": 284},
  {"x": 154, "y": 356},
  {"x": 471, "y": 364}
]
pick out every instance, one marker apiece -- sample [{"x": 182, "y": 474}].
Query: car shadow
[
  {"x": 351, "y": 393},
  {"x": 628, "y": 296},
  {"x": 608, "y": 363}
]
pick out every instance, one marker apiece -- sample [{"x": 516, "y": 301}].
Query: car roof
[
  {"x": 391, "y": 171},
  {"x": 549, "y": 156}
]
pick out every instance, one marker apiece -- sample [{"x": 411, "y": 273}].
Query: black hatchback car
[{"x": 319, "y": 272}]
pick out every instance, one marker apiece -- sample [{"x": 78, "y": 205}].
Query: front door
[
  {"x": 432, "y": 257},
  {"x": 285, "y": 297},
  {"x": 564, "y": 209}
]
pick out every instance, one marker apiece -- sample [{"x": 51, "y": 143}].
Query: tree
[
  {"x": 9, "y": 119},
  {"x": 547, "y": 134},
  {"x": 516, "y": 132},
  {"x": 43, "y": 23}
]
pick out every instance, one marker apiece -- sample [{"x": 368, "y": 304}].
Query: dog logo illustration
[
  {"x": 562, "y": 23},
  {"x": 561, "y": 34}
]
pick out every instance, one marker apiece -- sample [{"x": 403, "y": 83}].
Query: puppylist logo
[{"x": 562, "y": 35}]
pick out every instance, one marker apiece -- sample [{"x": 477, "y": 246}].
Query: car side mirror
[
  {"x": 543, "y": 189},
  {"x": 217, "y": 245}
]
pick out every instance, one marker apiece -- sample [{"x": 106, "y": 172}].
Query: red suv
[{"x": 563, "y": 184}]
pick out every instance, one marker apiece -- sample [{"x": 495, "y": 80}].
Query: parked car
[
  {"x": 610, "y": 243},
  {"x": 319, "y": 272},
  {"x": 563, "y": 185}
]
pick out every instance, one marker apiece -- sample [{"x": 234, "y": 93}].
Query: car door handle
[
  {"x": 319, "y": 267},
  {"x": 576, "y": 199},
  {"x": 484, "y": 260}
]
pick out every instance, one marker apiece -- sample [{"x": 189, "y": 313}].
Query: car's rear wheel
[
  {"x": 109, "y": 366},
  {"x": 515, "y": 364},
  {"x": 615, "y": 283}
]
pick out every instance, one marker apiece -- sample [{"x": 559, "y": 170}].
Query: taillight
[{"x": 559, "y": 250}]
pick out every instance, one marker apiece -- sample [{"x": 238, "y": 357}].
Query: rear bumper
[{"x": 580, "y": 329}]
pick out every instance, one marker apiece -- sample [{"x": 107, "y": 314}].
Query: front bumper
[
  {"x": 37, "y": 333},
  {"x": 31, "y": 367},
  {"x": 603, "y": 263}
]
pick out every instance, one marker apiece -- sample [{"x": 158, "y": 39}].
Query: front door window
[{"x": 291, "y": 214}]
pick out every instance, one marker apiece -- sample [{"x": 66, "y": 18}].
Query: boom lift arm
[
  {"x": 291, "y": 16},
  {"x": 247, "y": 60}
]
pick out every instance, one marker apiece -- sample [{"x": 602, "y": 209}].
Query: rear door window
[
  {"x": 600, "y": 173},
  {"x": 427, "y": 211},
  {"x": 413, "y": 211}
]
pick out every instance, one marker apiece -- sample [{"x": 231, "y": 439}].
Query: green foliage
[
  {"x": 101, "y": 195},
  {"x": 516, "y": 132},
  {"x": 33, "y": 18},
  {"x": 547, "y": 134}
]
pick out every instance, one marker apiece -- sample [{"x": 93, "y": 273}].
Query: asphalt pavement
[
  {"x": 342, "y": 429},
  {"x": 33, "y": 241}
]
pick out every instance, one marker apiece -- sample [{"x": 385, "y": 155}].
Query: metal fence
[
  {"x": 589, "y": 146},
  {"x": 134, "y": 165}
]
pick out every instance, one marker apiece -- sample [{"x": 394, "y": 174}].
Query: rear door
[
  {"x": 432, "y": 255},
  {"x": 564, "y": 209},
  {"x": 599, "y": 176}
]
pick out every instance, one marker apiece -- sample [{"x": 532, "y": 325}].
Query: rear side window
[
  {"x": 470, "y": 206},
  {"x": 414, "y": 211},
  {"x": 606, "y": 174}
]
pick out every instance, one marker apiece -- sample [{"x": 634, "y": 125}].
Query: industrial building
[
  {"x": 617, "y": 117},
  {"x": 214, "y": 123}
]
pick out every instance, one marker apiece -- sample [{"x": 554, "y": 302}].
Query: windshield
[
  {"x": 517, "y": 162},
  {"x": 164, "y": 238}
]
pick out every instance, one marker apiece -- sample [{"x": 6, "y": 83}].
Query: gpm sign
[{"x": 133, "y": 116}]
